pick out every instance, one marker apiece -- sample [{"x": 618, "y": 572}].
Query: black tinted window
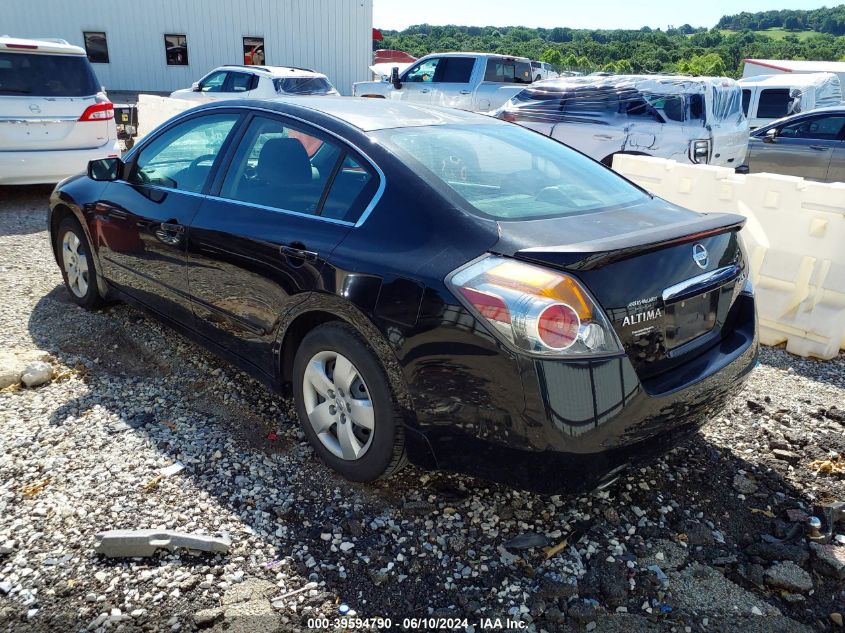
[
  {"x": 774, "y": 103},
  {"x": 182, "y": 157},
  {"x": 281, "y": 167},
  {"x": 502, "y": 70},
  {"x": 352, "y": 189},
  {"x": 455, "y": 70},
  {"x": 40, "y": 75},
  {"x": 822, "y": 128},
  {"x": 96, "y": 46},
  {"x": 746, "y": 100},
  {"x": 240, "y": 82}
]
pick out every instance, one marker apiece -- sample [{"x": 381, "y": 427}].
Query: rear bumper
[
  {"x": 583, "y": 422},
  {"x": 49, "y": 166}
]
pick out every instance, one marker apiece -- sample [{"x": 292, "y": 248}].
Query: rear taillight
[
  {"x": 29, "y": 47},
  {"x": 98, "y": 112},
  {"x": 534, "y": 309}
]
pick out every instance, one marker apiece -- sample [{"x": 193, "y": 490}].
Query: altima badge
[{"x": 699, "y": 255}]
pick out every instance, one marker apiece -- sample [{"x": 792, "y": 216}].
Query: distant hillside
[{"x": 824, "y": 20}]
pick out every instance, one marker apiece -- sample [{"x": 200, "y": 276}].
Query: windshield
[
  {"x": 507, "y": 172},
  {"x": 303, "y": 86},
  {"x": 40, "y": 75}
]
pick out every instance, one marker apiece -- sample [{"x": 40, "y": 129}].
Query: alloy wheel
[
  {"x": 75, "y": 264},
  {"x": 338, "y": 405}
]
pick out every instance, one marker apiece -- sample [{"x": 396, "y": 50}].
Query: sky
[{"x": 593, "y": 14}]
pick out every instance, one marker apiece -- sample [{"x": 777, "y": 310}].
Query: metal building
[{"x": 163, "y": 45}]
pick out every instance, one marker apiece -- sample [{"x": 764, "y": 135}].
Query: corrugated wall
[{"x": 331, "y": 36}]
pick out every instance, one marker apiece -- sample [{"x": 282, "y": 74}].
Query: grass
[{"x": 778, "y": 34}]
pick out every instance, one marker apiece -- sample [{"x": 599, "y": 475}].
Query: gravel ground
[{"x": 699, "y": 541}]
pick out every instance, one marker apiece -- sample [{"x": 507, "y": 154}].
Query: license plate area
[{"x": 691, "y": 317}]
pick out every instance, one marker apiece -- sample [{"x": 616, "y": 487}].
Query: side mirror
[
  {"x": 105, "y": 169},
  {"x": 770, "y": 135},
  {"x": 394, "y": 78},
  {"x": 195, "y": 86}
]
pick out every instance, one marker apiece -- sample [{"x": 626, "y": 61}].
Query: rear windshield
[
  {"x": 507, "y": 172},
  {"x": 40, "y": 75},
  {"x": 303, "y": 86}
]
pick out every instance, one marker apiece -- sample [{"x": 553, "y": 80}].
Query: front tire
[
  {"x": 345, "y": 404},
  {"x": 77, "y": 264}
]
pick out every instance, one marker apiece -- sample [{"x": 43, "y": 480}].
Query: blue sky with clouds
[{"x": 595, "y": 14}]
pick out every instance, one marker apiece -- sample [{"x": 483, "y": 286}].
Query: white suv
[
  {"x": 54, "y": 115},
  {"x": 256, "y": 82}
]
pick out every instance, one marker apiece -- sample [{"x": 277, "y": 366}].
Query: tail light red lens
[
  {"x": 98, "y": 112},
  {"x": 535, "y": 309}
]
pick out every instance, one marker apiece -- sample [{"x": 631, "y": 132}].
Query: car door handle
[
  {"x": 819, "y": 148},
  {"x": 172, "y": 227},
  {"x": 170, "y": 232},
  {"x": 293, "y": 251},
  {"x": 424, "y": 91},
  {"x": 465, "y": 92}
]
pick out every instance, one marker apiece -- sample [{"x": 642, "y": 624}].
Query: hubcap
[
  {"x": 76, "y": 264},
  {"x": 338, "y": 405}
]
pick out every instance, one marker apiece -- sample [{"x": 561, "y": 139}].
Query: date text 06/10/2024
[{"x": 415, "y": 624}]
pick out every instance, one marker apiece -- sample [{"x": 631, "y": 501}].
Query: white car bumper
[{"x": 49, "y": 166}]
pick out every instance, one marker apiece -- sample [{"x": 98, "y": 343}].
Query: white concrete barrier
[
  {"x": 795, "y": 236},
  {"x": 154, "y": 110}
]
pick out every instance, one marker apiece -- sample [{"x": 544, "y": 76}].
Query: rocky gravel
[{"x": 713, "y": 537}]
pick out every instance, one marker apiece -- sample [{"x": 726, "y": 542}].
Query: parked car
[
  {"x": 543, "y": 70},
  {"x": 688, "y": 119},
  {"x": 258, "y": 82},
  {"x": 810, "y": 145},
  {"x": 468, "y": 81},
  {"x": 54, "y": 115},
  {"x": 428, "y": 283},
  {"x": 767, "y": 98}
]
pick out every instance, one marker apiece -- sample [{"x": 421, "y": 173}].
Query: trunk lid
[
  {"x": 665, "y": 276},
  {"x": 42, "y": 97}
]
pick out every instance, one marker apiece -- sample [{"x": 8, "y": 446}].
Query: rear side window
[
  {"x": 352, "y": 189},
  {"x": 181, "y": 158},
  {"x": 774, "y": 103},
  {"x": 457, "y": 70},
  {"x": 821, "y": 128},
  {"x": 240, "y": 82},
  {"x": 40, "y": 75},
  {"x": 508, "y": 71},
  {"x": 303, "y": 86}
]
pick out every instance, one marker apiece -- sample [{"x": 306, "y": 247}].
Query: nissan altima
[{"x": 430, "y": 285}]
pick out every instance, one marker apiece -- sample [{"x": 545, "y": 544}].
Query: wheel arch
[
  {"x": 608, "y": 160},
  {"x": 59, "y": 211}
]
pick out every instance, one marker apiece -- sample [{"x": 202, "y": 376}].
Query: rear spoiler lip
[{"x": 598, "y": 253}]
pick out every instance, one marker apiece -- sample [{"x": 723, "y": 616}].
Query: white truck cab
[
  {"x": 688, "y": 119},
  {"x": 468, "y": 81},
  {"x": 766, "y": 98}
]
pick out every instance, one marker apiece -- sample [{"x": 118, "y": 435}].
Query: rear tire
[
  {"x": 345, "y": 404},
  {"x": 77, "y": 264}
]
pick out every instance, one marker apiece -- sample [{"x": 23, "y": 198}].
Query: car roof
[
  {"x": 787, "y": 79},
  {"x": 23, "y": 45},
  {"x": 366, "y": 114},
  {"x": 465, "y": 53},
  {"x": 273, "y": 71}
]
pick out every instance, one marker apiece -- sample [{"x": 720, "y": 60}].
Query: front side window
[
  {"x": 176, "y": 50},
  {"x": 181, "y": 158},
  {"x": 253, "y": 51},
  {"x": 280, "y": 167},
  {"x": 96, "y": 46},
  {"x": 39, "y": 75},
  {"x": 214, "y": 82},
  {"x": 509, "y": 71},
  {"x": 423, "y": 72},
  {"x": 774, "y": 103},
  {"x": 507, "y": 172},
  {"x": 821, "y": 128}
]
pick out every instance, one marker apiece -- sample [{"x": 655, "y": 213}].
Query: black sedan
[{"x": 431, "y": 285}]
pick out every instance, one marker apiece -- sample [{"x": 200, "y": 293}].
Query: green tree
[
  {"x": 710, "y": 65},
  {"x": 623, "y": 67}
]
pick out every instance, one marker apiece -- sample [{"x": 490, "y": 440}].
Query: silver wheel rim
[
  {"x": 76, "y": 264},
  {"x": 338, "y": 405}
]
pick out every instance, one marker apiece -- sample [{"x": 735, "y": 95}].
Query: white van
[
  {"x": 688, "y": 119},
  {"x": 54, "y": 115},
  {"x": 766, "y": 98}
]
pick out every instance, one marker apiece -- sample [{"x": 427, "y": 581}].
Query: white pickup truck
[{"x": 467, "y": 81}]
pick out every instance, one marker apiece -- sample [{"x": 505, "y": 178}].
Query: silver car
[{"x": 810, "y": 145}]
